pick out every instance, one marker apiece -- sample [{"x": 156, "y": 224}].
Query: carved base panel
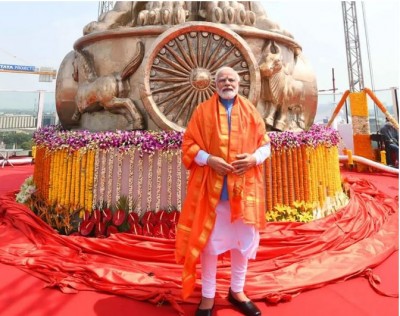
[{"x": 103, "y": 120}]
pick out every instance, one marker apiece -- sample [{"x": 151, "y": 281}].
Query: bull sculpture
[{"x": 282, "y": 94}]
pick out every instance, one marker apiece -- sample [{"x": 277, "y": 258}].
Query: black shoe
[
  {"x": 248, "y": 308},
  {"x": 204, "y": 312}
]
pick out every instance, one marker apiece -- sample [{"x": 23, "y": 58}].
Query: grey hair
[{"x": 227, "y": 68}]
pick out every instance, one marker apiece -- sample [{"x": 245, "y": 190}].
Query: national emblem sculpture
[{"x": 179, "y": 46}]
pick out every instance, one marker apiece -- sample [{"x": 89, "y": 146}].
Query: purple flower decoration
[
  {"x": 316, "y": 135},
  {"x": 54, "y": 138}
]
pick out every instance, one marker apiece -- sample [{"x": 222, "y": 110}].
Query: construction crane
[
  {"x": 46, "y": 74},
  {"x": 353, "y": 52}
]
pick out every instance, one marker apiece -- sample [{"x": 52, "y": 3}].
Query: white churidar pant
[{"x": 241, "y": 239}]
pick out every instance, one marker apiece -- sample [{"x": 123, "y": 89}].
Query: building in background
[
  {"x": 25, "y": 121},
  {"x": 17, "y": 121},
  {"x": 49, "y": 119}
]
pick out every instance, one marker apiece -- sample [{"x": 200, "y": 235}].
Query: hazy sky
[{"x": 41, "y": 34}]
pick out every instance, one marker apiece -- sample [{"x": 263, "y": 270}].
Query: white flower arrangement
[{"x": 26, "y": 191}]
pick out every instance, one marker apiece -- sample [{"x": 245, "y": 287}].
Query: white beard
[{"x": 227, "y": 94}]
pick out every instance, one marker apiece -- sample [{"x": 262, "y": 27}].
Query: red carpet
[{"x": 21, "y": 293}]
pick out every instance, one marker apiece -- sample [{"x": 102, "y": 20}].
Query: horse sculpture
[{"x": 108, "y": 92}]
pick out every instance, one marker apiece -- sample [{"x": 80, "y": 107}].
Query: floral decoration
[
  {"x": 316, "y": 135},
  {"x": 28, "y": 188},
  {"x": 296, "y": 161},
  {"x": 300, "y": 211},
  {"x": 54, "y": 138},
  {"x": 103, "y": 221}
]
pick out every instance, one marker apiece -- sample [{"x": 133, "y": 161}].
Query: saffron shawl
[{"x": 208, "y": 130}]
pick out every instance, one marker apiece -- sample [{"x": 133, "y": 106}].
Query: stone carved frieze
[
  {"x": 179, "y": 46},
  {"x": 141, "y": 13}
]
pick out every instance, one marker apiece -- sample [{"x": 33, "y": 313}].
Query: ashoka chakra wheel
[{"x": 181, "y": 67}]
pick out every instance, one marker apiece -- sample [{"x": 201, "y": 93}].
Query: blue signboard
[{"x": 17, "y": 68}]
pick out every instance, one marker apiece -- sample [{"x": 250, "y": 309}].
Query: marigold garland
[
  {"x": 46, "y": 175},
  {"x": 302, "y": 188},
  {"x": 64, "y": 169},
  {"x": 306, "y": 173},
  {"x": 296, "y": 175},
  {"x": 336, "y": 170},
  {"x": 71, "y": 167},
  {"x": 75, "y": 178},
  {"x": 83, "y": 181},
  {"x": 150, "y": 183},
  {"x": 290, "y": 177},
  {"x": 140, "y": 182},
  {"x": 274, "y": 177},
  {"x": 313, "y": 166},
  {"x": 68, "y": 178},
  {"x": 320, "y": 175},
  {"x": 158, "y": 181},
  {"x": 110, "y": 179},
  {"x": 130, "y": 180},
  {"x": 53, "y": 180},
  {"x": 284, "y": 178},
  {"x": 90, "y": 165},
  {"x": 169, "y": 179},
  {"x": 323, "y": 157},
  {"x": 63, "y": 175},
  {"x": 102, "y": 182},
  {"x": 279, "y": 188},
  {"x": 179, "y": 181},
  {"x": 119, "y": 175},
  {"x": 268, "y": 189}
]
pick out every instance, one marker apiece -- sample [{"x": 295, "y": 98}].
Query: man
[
  {"x": 391, "y": 139},
  {"x": 224, "y": 145}
]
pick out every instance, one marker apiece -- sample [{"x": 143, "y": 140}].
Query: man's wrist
[{"x": 201, "y": 158}]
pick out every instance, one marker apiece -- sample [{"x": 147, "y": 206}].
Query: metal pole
[
  {"x": 395, "y": 103},
  {"x": 40, "y": 109},
  {"x": 347, "y": 114},
  {"x": 371, "y": 71},
  {"x": 333, "y": 85}
]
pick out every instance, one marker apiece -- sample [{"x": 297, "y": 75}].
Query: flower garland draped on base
[{"x": 292, "y": 257}]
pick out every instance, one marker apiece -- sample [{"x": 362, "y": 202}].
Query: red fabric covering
[{"x": 292, "y": 257}]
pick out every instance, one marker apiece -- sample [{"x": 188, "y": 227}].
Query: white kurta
[{"x": 237, "y": 235}]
